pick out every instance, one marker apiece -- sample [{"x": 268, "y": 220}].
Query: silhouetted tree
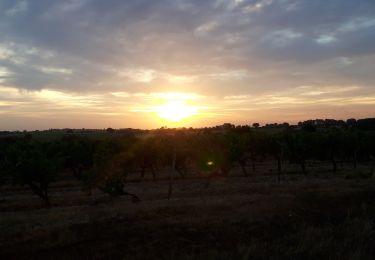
[
  {"x": 34, "y": 165},
  {"x": 147, "y": 155},
  {"x": 78, "y": 154},
  {"x": 107, "y": 174}
]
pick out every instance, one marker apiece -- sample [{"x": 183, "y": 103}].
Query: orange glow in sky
[{"x": 147, "y": 64}]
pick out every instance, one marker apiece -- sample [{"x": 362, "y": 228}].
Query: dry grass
[{"x": 320, "y": 215}]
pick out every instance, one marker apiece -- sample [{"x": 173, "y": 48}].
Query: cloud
[
  {"x": 161, "y": 35},
  {"x": 218, "y": 48}
]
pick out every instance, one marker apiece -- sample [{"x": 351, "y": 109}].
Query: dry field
[{"x": 322, "y": 215}]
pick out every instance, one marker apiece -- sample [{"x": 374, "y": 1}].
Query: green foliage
[
  {"x": 213, "y": 153},
  {"x": 34, "y": 164},
  {"x": 78, "y": 154},
  {"x": 112, "y": 161},
  {"x": 105, "y": 163}
]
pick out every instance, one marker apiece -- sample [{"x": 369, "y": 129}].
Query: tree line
[{"x": 106, "y": 163}]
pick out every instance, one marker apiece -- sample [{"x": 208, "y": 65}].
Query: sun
[
  {"x": 175, "y": 111},
  {"x": 172, "y": 108}
]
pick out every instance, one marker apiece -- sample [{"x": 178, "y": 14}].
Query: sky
[{"x": 148, "y": 63}]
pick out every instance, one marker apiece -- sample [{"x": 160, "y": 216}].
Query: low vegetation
[{"x": 220, "y": 193}]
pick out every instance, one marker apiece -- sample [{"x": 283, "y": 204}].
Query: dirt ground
[{"x": 303, "y": 217}]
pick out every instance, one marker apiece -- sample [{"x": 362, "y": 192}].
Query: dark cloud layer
[{"x": 223, "y": 46}]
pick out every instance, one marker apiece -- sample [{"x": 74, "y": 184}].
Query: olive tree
[{"x": 34, "y": 165}]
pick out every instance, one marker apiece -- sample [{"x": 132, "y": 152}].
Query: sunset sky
[{"x": 153, "y": 63}]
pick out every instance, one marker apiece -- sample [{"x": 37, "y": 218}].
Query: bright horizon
[{"x": 148, "y": 64}]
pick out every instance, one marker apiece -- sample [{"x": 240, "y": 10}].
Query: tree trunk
[
  {"x": 334, "y": 164},
  {"x": 171, "y": 174},
  {"x": 303, "y": 166},
  {"x": 143, "y": 170},
  {"x": 153, "y": 172},
  {"x": 243, "y": 167},
  {"x": 181, "y": 171},
  {"x": 278, "y": 169},
  {"x": 355, "y": 160},
  {"x": 135, "y": 198},
  {"x": 47, "y": 202},
  {"x": 42, "y": 192},
  {"x": 207, "y": 183}
]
